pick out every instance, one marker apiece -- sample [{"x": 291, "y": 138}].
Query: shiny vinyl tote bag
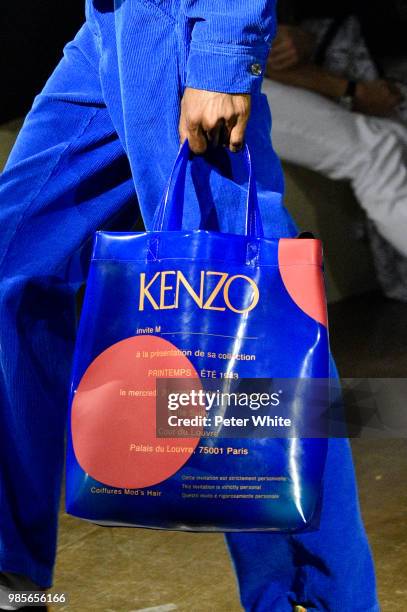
[{"x": 173, "y": 323}]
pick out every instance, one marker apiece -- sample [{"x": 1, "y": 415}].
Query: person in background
[{"x": 341, "y": 110}]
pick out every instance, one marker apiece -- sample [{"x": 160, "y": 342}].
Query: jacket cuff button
[{"x": 256, "y": 69}]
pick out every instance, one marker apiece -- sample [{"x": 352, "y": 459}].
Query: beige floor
[
  {"x": 8, "y": 132},
  {"x": 128, "y": 570},
  {"x": 118, "y": 570}
]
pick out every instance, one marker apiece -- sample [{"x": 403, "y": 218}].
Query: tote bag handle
[{"x": 169, "y": 214}]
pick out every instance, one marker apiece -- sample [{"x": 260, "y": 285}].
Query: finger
[
  {"x": 182, "y": 126},
  {"x": 280, "y": 67},
  {"x": 282, "y": 60},
  {"x": 278, "y": 50},
  {"x": 228, "y": 126},
  {"x": 284, "y": 54},
  {"x": 214, "y": 135},
  {"x": 224, "y": 136},
  {"x": 236, "y": 138},
  {"x": 286, "y": 65},
  {"x": 278, "y": 44},
  {"x": 197, "y": 141},
  {"x": 183, "y": 132},
  {"x": 212, "y": 131},
  {"x": 280, "y": 38}
]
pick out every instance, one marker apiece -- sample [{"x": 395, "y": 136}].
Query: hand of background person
[
  {"x": 379, "y": 98},
  {"x": 212, "y": 117},
  {"x": 291, "y": 47}
]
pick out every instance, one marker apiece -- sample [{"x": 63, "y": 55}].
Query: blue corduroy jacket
[
  {"x": 229, "y": 42},
  {"x": 225, "y": 43}
]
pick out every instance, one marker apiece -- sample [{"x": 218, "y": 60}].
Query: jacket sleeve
[{"x": 230, "y": 41}]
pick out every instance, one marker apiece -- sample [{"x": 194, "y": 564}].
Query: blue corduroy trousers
[{"x": 101, "y": 137}]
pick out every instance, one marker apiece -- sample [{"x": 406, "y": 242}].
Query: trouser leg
[
  {"x": 66, "y": 177},
  {"x": 314, "y": 132},
  {"x": 329, "y": 569}
]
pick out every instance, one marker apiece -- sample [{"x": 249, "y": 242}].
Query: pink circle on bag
[{"x": 113, "y": 417}]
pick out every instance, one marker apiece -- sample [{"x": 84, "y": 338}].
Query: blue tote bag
[{"x": 172, "y": 317}]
